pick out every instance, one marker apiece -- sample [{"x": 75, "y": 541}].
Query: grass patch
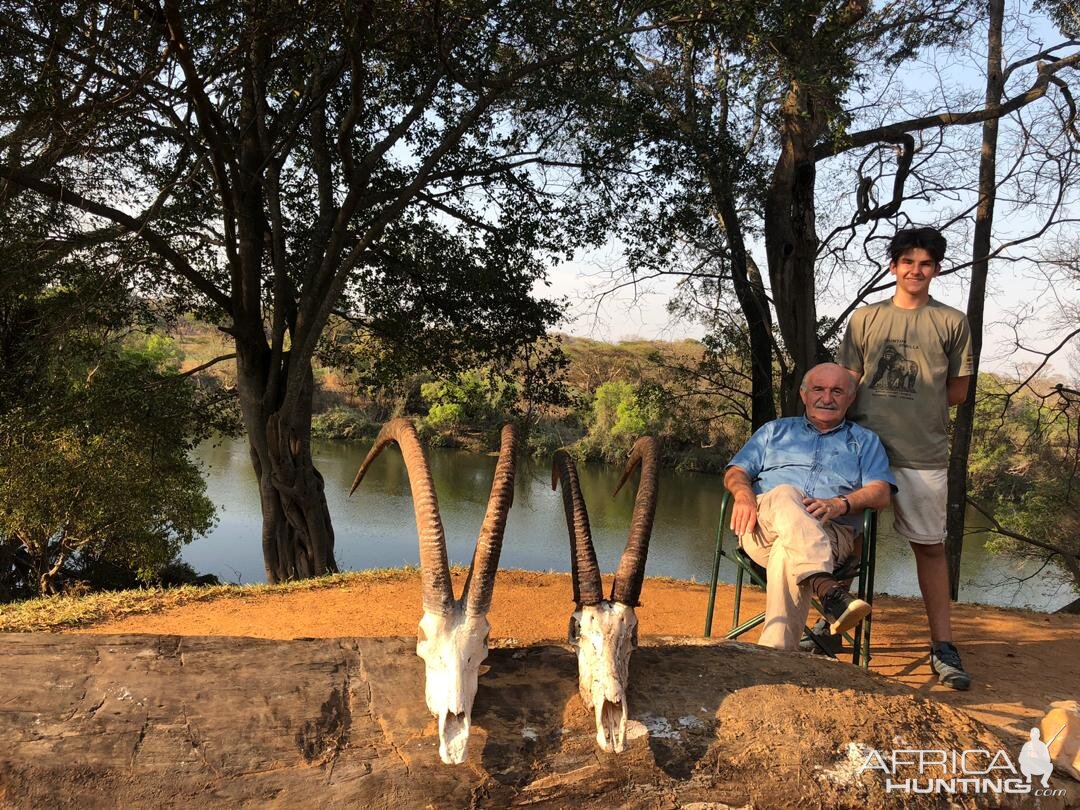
[
  {"x": 57, "y": 613},
  {"x": 66, "y": 612}
]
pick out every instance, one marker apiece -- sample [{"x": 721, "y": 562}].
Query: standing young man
[{"x": 911, "y": 356}]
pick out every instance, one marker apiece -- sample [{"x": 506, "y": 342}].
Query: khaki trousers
[{"x": 791, "y": 544}]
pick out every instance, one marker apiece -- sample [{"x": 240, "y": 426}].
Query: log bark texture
[{"x": 166, "y": 721}]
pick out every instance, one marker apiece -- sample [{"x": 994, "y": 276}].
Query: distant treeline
[{"x": 596, "y": 399}]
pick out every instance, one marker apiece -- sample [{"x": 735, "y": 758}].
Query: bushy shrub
[
  {"x": 342, "y": 423},
  {"x": 97, "y": 467},
  {"x": 620, "y": 413},
  {"x": 445, "y": 415},
  {"x": 473, "y": 399}
]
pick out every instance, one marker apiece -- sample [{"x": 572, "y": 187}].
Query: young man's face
[{"x": 913, "y": 271}]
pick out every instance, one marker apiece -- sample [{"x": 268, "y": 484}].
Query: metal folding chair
[{"x": 863, "y": 573}]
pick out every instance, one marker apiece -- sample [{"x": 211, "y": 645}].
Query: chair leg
[
  {"x": 746, "y": 626},
  {"x": 726, "y": 504},
  {"x": 861, "y": 645},
  {"x": 715, "y": 579},
  {"x": 857, "y": 645},
  {"x": 870, "y": 616},
  {"x": 857, "y": 640},
  {"x": 738, "y": 597}
]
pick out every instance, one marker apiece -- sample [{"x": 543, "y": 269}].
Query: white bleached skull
[
  {"x": 604, "y": 636},
  {"x": 604, "y": 631},
  {"x": 453, "y": 648},
  {"x": 452, "y": 638}
]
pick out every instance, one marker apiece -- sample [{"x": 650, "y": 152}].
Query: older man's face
[{"x": 827, "y": 396}]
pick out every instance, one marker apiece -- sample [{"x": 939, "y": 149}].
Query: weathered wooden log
[{"x": 195, "y": 721}]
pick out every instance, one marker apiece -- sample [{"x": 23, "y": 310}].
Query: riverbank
[{"x": 1021, "y": 660}]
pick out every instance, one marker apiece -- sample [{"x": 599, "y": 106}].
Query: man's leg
[
  {"x": 933, "y": 569},
  {"x": 786, "y": 604},
  {"x": 919, "y": 512},
  {"x": 919, "y": 517},
  {"x": 791, "y": 545}
]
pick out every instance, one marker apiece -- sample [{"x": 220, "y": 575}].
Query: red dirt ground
[{"x": 1020, "y": 660}]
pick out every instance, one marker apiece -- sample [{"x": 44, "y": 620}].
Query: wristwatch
[{"x": 847, "y": 504}]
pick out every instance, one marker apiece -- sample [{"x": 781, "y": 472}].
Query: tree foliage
[
  {"x": 1024, "y": 469},
  {"x": 95, "y": 434},
  {"x": 473, "y": 398},
  {"x": 786, "y": 124},
  {"x": 279, "y": 162}
]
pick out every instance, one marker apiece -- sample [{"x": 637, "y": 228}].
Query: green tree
[
  {"x": 270, "y": 164},
  {"x": 95, "y": 432},
  {"x": 1024, "y": 469},
  {"x": 725, "y": 121},
  {"x": 474, "y": 399},
  {"x": 621, "y": 412}
]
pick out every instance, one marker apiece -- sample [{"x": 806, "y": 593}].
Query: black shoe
[
  {"x": 826, "y": 641},
  {"x": 843, "y": 610},
  {"x": 945, "y": 661}
]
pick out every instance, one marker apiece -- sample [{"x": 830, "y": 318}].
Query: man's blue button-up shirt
[{"x": 823, "y": 465}]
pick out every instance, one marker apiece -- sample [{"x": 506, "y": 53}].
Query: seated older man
[{"x": 799, "y": 485}]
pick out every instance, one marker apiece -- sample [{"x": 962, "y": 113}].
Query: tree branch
[
  {"x": 213, "y": 127},
  {"x": 999, "y": 529},
  {"x": 136, "y": 226},
  {"x": 191, "y": 371},
  {"x": 836, "y": 145}
]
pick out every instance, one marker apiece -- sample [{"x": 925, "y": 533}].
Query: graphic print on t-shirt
[{"x": 895, "y": 373}]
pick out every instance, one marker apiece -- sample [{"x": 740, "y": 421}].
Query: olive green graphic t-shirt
[{"x": 904, "y": 357}]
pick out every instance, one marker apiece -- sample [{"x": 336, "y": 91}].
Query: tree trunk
[
  {"x": 297, "y": 534},
  {"x": 15, "y": 569},
  {"x": 791, "y": 242},
  {"x": 756, "y": 306},
  {"x": 980, "y": 251},
  {"x": 750, "y": 293},
  {"x": 43, "y": 559}
]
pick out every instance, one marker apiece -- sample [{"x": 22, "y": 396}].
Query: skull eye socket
[{"x": 573, "y": 632}]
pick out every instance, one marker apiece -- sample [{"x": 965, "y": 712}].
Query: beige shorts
[{"x": 919, "y": 504}]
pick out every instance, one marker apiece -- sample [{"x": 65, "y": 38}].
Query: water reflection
[{"x": 375, "y": 528}]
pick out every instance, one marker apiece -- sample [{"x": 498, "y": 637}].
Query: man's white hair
[{"x": 852, "y": 386}]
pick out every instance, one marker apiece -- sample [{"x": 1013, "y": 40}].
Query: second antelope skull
[
  {"x": 604, "y": 631},
  {"x": 453, "y": 633}
]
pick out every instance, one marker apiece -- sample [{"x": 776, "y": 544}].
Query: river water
[{"x": 375, "y": 527}]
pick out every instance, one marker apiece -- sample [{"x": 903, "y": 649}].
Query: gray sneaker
[
  {"x": 827, "y": 642},
  {"x": 945, "y": 661}
]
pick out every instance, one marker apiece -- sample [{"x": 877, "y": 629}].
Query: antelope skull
[
  {"x": 604, "y": 631},
  {"x": 453, "y": 634}
]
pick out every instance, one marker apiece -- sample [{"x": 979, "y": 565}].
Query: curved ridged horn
[
  {"x": 631, "y": 572},
  {"x": 434, "y": 568},
  {"x": 588, "y": 590},
  {"x": 486, "y": 557}
]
